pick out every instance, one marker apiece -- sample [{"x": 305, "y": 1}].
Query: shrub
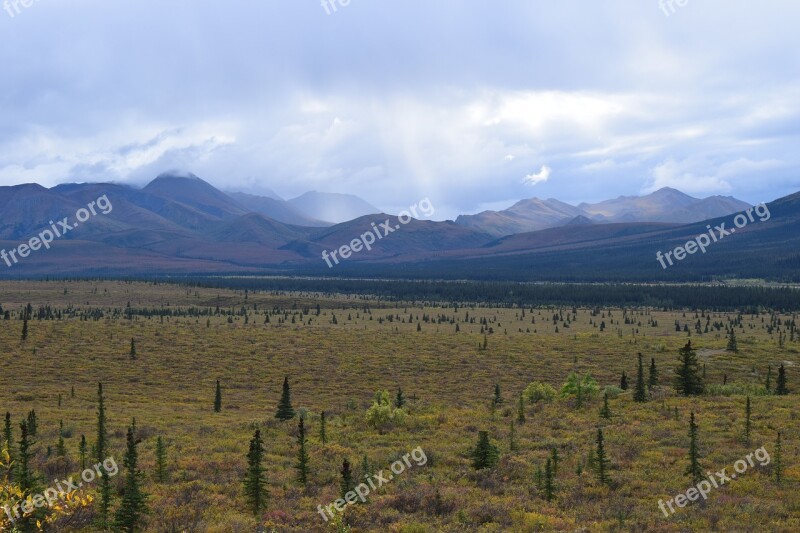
[
  {"x": 587, "y": 385},
  {"x": 539, "y": 392},
  {"x": 382, "y": 415}
]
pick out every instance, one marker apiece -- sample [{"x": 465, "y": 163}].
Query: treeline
[{"x": 718, "y": 298}]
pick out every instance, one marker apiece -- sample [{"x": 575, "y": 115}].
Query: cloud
[
  {"x": 538, "y": 177},
  {"x": 471, "y": 108},
  {"x": 680, "y": 175}
]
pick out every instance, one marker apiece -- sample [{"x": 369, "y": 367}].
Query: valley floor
[{"x": 339, "y": 350}]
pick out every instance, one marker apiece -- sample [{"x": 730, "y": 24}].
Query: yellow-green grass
[{"x": 449, "y": 382}]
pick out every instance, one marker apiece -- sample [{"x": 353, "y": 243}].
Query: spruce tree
[
  {"x": 652, "y": 379},
  {"x": 61, "y": 450},
  {"x": 32, "y": 423},
  {"x": 694, "y": 469},
  {"x": 601, "y": 461},
  {"x": 302, "y": 454},
  {"x": 623, "y": 382},
  {"x": 549, "y": 483},
  {"x": 101, "y": 449},
  {"x": 285, "y": 411},
  {"x": 133, "y": 349},
  {"x": 82, "y": 450},
  {"x": 8, "y": 437},
  {"x": 747, "y": 413},
  {"x": 732, "y": 345},
  {"x": 25, "y": 328},
  {"x": 218, "y": 399},
  {"x": 133, "y": 506},
  {"x": 687, "y": 380},
  {"x": 399, "y": 401},
  {"x": 521, "y": 410},
  {"x": 605, "y": 412},
  {"x": 485, "y": 454},
  {"x": 498, "y": 399},
  {"x": 640, "y": 393},
  {"x": 780, "y": 385},
  {"x": 161, "y": 460},
  {"x": 323, "y": 437},
  {"x": 255, "y": 481},
  {"x": 556, "y": 459},
  {"x": 365, "y": 468},
  {"x": 25, "y": 477},
  {"x": 346, "y": 483}
]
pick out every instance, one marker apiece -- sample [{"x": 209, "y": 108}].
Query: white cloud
[{"x": 538, "y": 177}]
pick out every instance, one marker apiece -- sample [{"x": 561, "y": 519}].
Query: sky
[{"x": 474, "y": 105}]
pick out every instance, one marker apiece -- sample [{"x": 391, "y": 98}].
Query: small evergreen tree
[
  {"x": 323, "y": 437},
  {"x": 101, "y": 448},
  {"x": 605, "y": 412},
  {"x": 161, "y": 460},
  {"x": 747, "y": 413},
  {"x": 25, "y": 328},
  {"x": 399, "y": 400},
  {"x": 61, "y": 449},
  {"x": 549, "y": 483},
  {"x": 498, "y": 399},
  {"x": 255, "y": 481},
  {"x": 640, "y": 393},
  {"x": 32, "y": 423},
  {"x": 652, "y": 379},
  {"x": 732, "y": 345},
  {"x": 623, "y": 382},
  {"x": 218, "y": 399},
  {"x": 82, "y": 451},
  {"x": 556, "y": 459},
  {"x": 302, "y": 454},
  {"x": 601, "y": 461},
  {"x": 285, "y": 411},
  {"x": 346, "y": 484},
  {"x": 485, "y": 454},
  {"x": 133, "y": 506},
  {"x": 769, "y": 379},
  {"x": 26, "y": 479},
  {"x": 521, "y": 410},
  {"x": 694, "y": 469},
  {"x": 365, "y": 468},
  {"x": 687, "y": 380},
  {"x": 780, "y": 385},
  {"x": 8, "y": 437}
]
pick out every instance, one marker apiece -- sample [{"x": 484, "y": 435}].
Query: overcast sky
[{"x": 473, "y": 104}]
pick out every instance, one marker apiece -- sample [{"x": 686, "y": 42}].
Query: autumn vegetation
[{"x": 241, "y": 410}]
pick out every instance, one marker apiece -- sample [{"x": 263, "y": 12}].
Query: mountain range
[
  {"x": 179, "y": 224},
  {"x": 664, "y": 205}
]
